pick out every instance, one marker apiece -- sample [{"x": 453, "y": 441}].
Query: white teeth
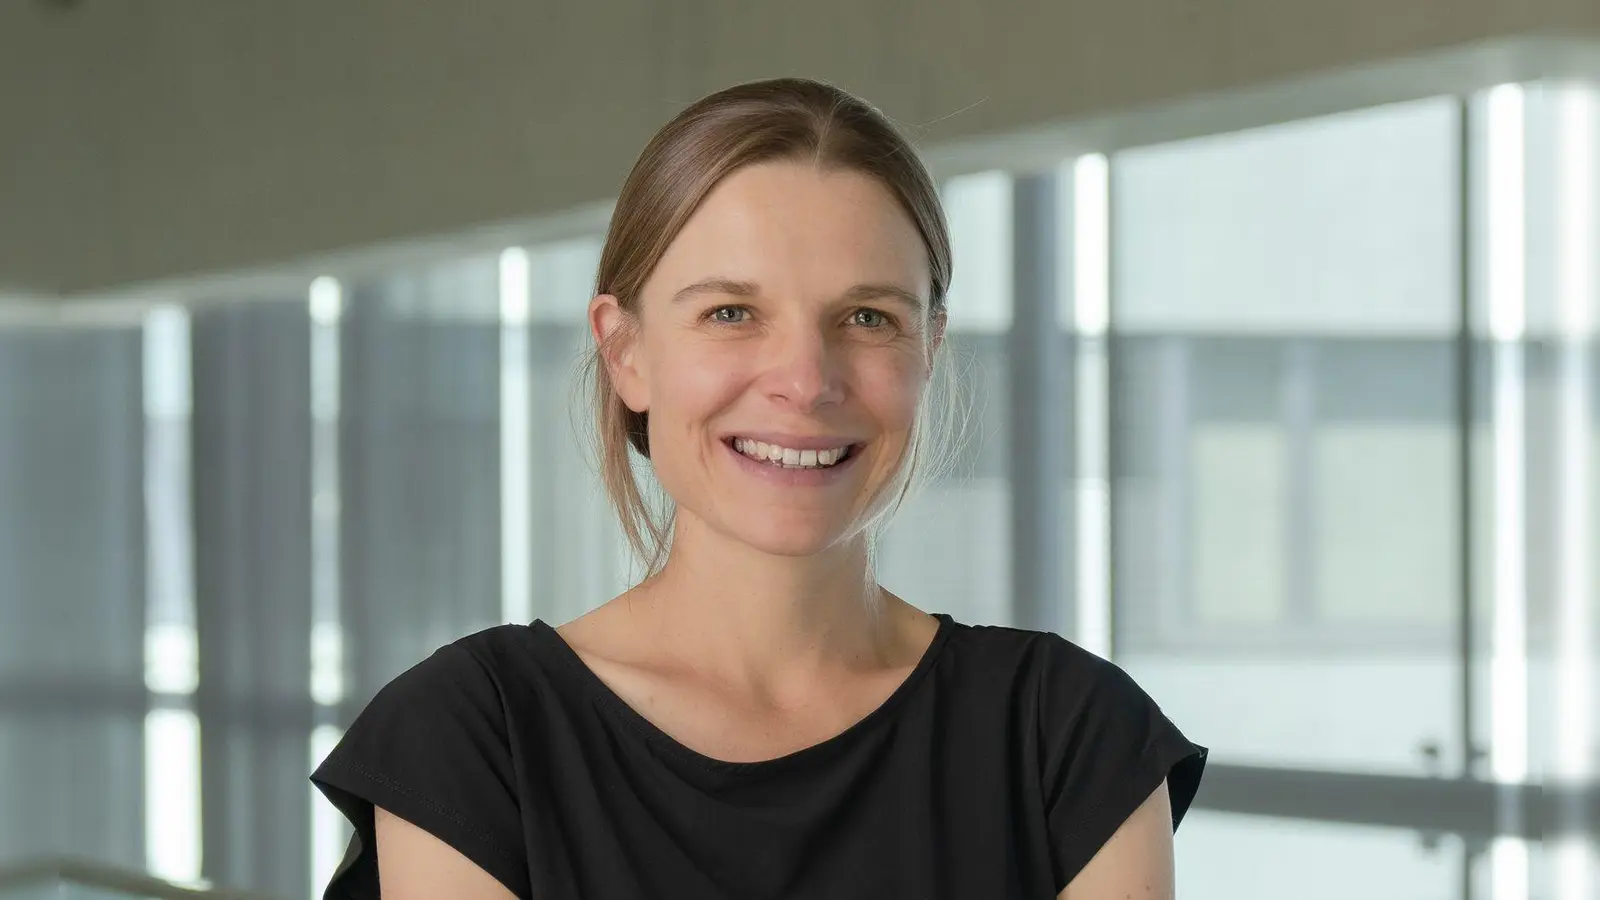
[{"x": 783, "y": 456}]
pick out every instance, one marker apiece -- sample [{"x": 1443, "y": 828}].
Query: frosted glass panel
[
  {"x": 1232, "y": 857},
  {"x": 1341, "y": 224},
  {"x": 1286, "y": 467},
  {"x": 1378, "y": 492},
  {"x": 978, "y": 208},
  {"x": 949, "y": 549},
  {"x": 1237, "y": 519}
]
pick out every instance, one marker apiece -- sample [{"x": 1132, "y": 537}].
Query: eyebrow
[
  {"x": 726, "y": 286},
  {"x": 858, "y": 294}
]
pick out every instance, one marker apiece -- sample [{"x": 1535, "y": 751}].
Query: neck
[{"x": 755, "y": 619}]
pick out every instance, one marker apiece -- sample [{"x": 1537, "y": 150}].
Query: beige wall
[{"x": 144, "y": 140}]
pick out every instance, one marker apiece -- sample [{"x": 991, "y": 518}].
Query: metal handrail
[{"x": 106, "y": 877}]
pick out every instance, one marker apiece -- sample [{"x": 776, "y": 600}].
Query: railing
[{"x": 60, "y": 878}]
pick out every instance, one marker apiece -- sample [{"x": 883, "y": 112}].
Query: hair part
[{"x": 764, "y": 121}]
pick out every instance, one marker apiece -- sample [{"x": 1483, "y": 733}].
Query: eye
[
  {"x": 728, "y": 315},
  {"x": 870, "y": 318}
]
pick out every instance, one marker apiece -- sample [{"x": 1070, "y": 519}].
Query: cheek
[
  {"x": 688, "y": 382},
  {"x": 892, "y": 385}
]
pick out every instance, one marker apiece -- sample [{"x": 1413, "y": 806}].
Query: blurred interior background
[{"x": 1279, "y": 315}]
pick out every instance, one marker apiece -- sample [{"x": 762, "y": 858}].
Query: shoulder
[
  {"x": 492, "y": 650},
  {"x": 1071, "y": 688},
  {"x": 497, "y": 659},
  {"x": 1047, "y": 685},
  {"x": 1080, "y": 708},
  {"x": 1038, "y": 660},
  {"x": 438, "y": 747},
  {"x": 1100, "y": 745},
  {"x": 466, "y": 676},
  {"x": 459, "y": 705}
]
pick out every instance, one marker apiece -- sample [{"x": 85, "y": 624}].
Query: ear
[{"x": 616, "y": 333}]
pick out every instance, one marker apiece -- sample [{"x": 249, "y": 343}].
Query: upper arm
[
  {"x": 1136, "y": 864},
  {"x": 413, "y": 865},
  {"x": 433, "y": 750}
]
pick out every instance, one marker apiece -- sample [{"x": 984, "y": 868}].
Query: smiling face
[{"x": 782, "y": 346}]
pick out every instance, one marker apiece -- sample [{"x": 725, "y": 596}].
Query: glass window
[
  {"x": 578, "y": 556},
  {"x": 1344, "y": 224},
  {"x": 1256, "y": 858},
  {"x": 419, "y": 464},
  {"x": 949, "y": 550},
  {"x": 72, "y": 592},
  {"x": 1285, "y": 461}
]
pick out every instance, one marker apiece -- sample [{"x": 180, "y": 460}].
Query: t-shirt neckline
[{"x": 605, "y": 696}]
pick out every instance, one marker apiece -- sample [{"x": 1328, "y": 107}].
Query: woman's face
[{"x": 784, "y": 342}]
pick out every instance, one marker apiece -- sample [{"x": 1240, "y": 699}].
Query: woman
[{"x": 758, "y": 718}]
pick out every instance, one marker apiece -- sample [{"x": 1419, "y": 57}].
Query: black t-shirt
[{"x": 996, "y": 770}]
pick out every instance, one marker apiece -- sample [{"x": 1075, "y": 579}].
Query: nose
[{"x": 804, "y": 369}]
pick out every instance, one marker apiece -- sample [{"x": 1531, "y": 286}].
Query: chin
[{"x": 791, "y": 539}]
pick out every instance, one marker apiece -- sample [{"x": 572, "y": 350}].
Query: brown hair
[{"x": 762, "y": 121}]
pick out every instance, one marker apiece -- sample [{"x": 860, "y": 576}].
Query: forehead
[{"x": 792, "y": 227}]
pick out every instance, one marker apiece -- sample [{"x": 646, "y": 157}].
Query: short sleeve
[
  {"x": 1106, "y": 746},
  {"x": 432, "y": 748}
]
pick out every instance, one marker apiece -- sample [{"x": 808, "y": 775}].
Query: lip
[
  {"x": 793, "y": 441},
  {"x": 834, "y": 474}
]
